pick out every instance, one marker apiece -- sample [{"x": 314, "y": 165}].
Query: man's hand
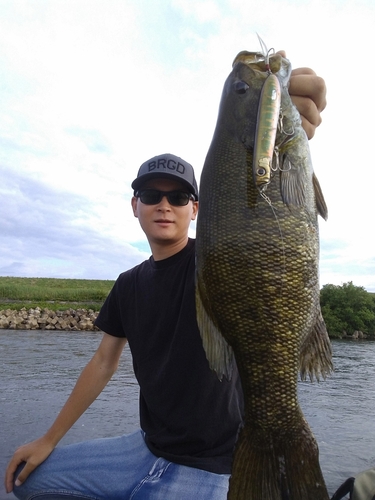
[
  {"x": 308, "y": 93},
  {"x": 32, "y": 454}
]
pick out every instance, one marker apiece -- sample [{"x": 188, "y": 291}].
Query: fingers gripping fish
[{"x": 257, "y": 289}]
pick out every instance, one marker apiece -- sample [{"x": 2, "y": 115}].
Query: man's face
[{"x": 163, "y": 223}]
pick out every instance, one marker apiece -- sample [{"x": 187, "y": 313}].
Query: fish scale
[{"x": 258, "y": 288}]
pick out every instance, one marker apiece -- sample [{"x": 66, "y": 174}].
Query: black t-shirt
[{"x": 188, "y": 415}]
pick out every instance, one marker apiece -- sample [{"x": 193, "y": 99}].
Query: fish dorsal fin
[
  {"x": 219, "y": 354},
  {"x": 319, "y": 199}
]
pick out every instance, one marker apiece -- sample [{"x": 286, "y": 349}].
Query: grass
[{"x": 52, "y": 293}]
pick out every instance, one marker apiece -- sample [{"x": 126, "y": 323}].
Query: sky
[{"x": 90, "y": 89}]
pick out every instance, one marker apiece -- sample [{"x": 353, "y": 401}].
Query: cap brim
[{"x": 140, "y": 181}]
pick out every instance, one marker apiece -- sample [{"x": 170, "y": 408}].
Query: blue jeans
[{"x": 118, "y": 468}]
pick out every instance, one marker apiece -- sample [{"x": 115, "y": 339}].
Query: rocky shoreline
[
  {"x": 78, "y": 320},
  {"x": 46, "y": 319}
]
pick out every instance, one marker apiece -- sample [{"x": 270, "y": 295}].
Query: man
[{"x": 189, "y": 419}]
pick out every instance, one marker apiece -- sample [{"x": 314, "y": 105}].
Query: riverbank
[
  {"x": 52, "y": 293},
  {"x": 77, "y": 319},
  {"x": 46, "y": 319}
]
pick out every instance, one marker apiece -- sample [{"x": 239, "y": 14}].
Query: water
[
  {"x": 38, "y": 370},
  {"x": 341, "y": 412}
]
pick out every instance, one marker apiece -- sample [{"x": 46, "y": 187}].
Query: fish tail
[{"x": 277, "y": 468}]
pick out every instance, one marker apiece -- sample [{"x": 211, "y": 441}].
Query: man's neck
[{"x": 162, "y": 251}]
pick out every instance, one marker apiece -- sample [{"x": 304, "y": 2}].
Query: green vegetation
[
  {"x": 345, "y": 308},
  {"x": 53, "y": 293},
  {"x": 348, "y": 308}
]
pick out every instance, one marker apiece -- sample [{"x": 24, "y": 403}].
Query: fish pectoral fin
[
  {"x": 319, "y": 199},
  {"x": 293, "y": 189},
  {"x": 292, "y": 186},
  {"x": 316, "y": 352},
  {"x": 218, "y": 352}
]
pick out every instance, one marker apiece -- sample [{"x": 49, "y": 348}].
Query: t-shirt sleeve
[{"x": 109, "y": 318}]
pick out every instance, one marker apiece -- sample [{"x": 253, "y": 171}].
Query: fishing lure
[{"x": 267, "y": 120}]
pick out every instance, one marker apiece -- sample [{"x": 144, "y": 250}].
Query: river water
[{"x": 39, "y": 368}]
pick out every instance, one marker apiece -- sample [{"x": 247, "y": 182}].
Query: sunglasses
[{"x": 154, "y": 196}]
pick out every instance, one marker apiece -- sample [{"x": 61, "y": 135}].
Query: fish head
[
  {"x": 242, "y": 92},
  {"x": 239, "y": 103}
]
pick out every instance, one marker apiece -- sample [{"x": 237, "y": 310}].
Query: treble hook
[
  {"x": 266, "y": 54},
  {"x": 281, "y": 125}
]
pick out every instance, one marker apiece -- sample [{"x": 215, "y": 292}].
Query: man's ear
[
  {"x": 195, "y": 210},
  {"x": 134, "y": 202}
]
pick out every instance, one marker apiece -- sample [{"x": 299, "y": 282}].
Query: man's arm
[{"x": 89, "y": 385}]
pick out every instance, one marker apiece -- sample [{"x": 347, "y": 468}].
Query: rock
[
  {"x": 46, "y": 319},
  {"x": 85, "y": 324},
  {"x": 31, "y": 324},
  {"x": 4, "y": 322}
]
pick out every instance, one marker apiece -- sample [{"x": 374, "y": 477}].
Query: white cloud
[
  {"x": 90, "y": 89},
  {"x": 202, "y": 12},
  {"x": 48, "y": 232}
]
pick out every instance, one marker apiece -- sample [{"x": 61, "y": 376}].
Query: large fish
[{"x": 257, "y": 277}]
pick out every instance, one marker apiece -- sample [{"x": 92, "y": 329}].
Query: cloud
[
  {"x": 93, "y": 139},
  {"x": 342, "y": 261},
  {"x": 88, "y": 93},
  {"x": 46, "y": 232}
]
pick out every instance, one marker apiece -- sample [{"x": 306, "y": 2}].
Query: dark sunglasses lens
[
  {"x": 178, "y": 198},
  {"x": 154, "y": 196},
  {"x": 150, "y": 196}
]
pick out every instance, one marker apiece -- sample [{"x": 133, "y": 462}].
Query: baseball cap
[{"x": 167, "y": 166}]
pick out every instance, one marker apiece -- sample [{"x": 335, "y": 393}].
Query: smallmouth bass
[{"x": 257, "y": 290}]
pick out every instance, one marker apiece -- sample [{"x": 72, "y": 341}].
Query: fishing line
[
  {"x": 280, "y": 125},
  {"x": 269, "y": 202}
]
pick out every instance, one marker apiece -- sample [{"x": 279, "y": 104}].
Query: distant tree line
[{"x": 348, "y": 308}]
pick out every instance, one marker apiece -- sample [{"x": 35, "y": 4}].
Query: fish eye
[{"x": 240, "y": 87}]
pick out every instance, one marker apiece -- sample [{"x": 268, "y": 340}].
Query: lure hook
[
  {"x": 281, "y": 125},
  {"x": 266, "y": 53}
]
